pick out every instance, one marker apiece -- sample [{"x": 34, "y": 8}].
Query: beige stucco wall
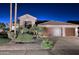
[
  {"x": 27, "y": 18},
  {"x": 68, "y": 32}
]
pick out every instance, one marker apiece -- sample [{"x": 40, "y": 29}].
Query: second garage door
[{"x": 70, "y": 31}]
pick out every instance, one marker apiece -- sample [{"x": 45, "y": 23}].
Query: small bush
[{"x": 47, "y": 44}]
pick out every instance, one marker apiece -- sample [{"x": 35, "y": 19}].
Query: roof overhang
[{"x": 59, "y": 26}]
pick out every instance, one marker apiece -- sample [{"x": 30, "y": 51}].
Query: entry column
[
  {"x": 76, "y": 31},
  {"x": 63, "y": 31}
]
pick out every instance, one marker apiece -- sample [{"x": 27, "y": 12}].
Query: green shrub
[
  {"x": 47, "y": 44},
  {"x": 24, "y": 38}
]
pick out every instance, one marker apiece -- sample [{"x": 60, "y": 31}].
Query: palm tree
[
  {"x": 12, "y": 35},
  {"x": 15, "y": 17},
  {"x": 10, "y": 16}
]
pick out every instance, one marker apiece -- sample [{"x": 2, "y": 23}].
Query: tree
[{"x": 2, "y": 25}]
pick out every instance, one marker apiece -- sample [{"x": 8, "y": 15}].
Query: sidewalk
[{"x": 22, "y": 49}]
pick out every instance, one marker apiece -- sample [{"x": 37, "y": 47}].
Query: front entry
[{"x": 56, "y": 31}]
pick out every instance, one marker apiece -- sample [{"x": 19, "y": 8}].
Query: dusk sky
[{"x": 43, "y": 11}]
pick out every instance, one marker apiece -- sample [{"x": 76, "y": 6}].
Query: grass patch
[
  {"x": 24, "y": 38},
  {"x": 4, "y": 40}
]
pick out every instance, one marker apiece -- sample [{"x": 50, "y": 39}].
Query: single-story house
[
  {"x": 27, "y": 19},
  {"x": 60, "y": 29}
]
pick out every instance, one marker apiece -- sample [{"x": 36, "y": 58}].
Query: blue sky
[{"x": 43, "y": 11}]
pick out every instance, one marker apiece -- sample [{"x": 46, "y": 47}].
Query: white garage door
[{"x": 56, "y": 31}]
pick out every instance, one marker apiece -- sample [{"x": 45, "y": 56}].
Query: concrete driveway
[{"x": 66, "y": 46}]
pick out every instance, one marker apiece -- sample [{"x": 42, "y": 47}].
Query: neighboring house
[
  {"x": 27, "y": 19},
  {"x": 13, "y": 27},
  {"x": 60, "y": 29},
  {"x": 1, "y": 30}
]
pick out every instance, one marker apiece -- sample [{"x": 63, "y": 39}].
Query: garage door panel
[
  {"x": 70, "y": 31},
  {"x": 56, "y": 32}
]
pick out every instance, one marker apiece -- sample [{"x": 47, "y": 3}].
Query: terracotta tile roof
[{"x": 56, "y": 23}]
